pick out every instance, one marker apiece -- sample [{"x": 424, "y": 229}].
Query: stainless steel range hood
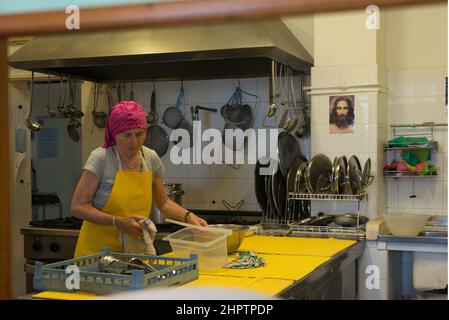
[{"x": 191, "y": 52}]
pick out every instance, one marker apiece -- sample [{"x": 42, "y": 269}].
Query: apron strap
[{"x": 144, "y": 166}]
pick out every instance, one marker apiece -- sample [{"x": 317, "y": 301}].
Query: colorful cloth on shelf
[
  {"x": 403, "y": 142},
  {"x": 246, "y": 260},
  {"x": 413, "y": 157}
]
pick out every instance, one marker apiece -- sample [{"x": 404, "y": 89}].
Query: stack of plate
[{"x": 321, "y": 176}]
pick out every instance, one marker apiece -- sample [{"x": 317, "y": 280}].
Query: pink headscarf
[{"x": 123, "y": 116}]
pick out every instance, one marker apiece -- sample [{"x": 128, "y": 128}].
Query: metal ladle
[
  {"x": 73, "y": 112},
  {"x": 110, "y": 263},
  {"x": 71, "y": 129},
  {"x": 273, "y": 107},
  {"x": 292, "y": 120},
  {"x": 30, "y": 123},
  {"x": 50, "y": 112},
  {"x": 98, "y": 116},
  {"x": 61, "y": 109},
  {"x": 140, "y": 262}
]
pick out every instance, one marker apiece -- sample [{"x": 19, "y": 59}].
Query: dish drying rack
[{"x": 289, "y": 224}]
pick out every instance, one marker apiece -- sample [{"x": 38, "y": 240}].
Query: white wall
[{"x": 416, "y": 59}]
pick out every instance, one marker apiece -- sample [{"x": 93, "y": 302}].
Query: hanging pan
[
  {"x": 99, "y": 117},
  {"x": 288, "y": 150},
  {"x": 259, "y": 184},
  {"x": 157, "y": 138},
  {"x": 173, "y": 116}
]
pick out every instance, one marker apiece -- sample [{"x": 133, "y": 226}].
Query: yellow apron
[{"x": 131, "y": 195}]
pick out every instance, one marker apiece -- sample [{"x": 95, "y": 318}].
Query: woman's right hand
[{"x": 130, "y": 225}]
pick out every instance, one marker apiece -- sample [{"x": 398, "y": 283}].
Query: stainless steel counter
[{"x": 436, "y": 239}]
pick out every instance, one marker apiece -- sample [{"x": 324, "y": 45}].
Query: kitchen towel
[{"x": 142, "y": 245}]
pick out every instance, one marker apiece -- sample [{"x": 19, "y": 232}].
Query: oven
[{"x": 48, "y": 241}]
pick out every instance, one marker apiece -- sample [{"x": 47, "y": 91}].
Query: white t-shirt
[{"x": 104, "y": 163}]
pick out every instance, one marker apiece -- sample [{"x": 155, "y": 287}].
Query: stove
[
  {"x": 48, "y": 241},
  {"x": 64, "y": 223}
]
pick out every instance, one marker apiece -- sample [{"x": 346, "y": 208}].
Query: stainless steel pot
[{"x": 174, "y": 192}]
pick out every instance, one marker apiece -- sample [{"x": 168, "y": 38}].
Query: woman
[{"x": 119, "y": 182}]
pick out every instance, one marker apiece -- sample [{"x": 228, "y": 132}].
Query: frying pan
[
  {"x": 259, "y": 186},
  {"x": 281, "y": 196},
  {"x": 157, "y": 138},
  {"x": 272, "y": 212},
  {"x": 232, "y": 144},
  {"x": 288, "y": 150},
  {"x": 173, "y": 116},
  {"x": 322, "y": 220},
  {"x": 237, "y": 116},
  {"x": 278, "y": 192},
  {"x": 350, "y": 220},
  {"x": 237, "y": 112}
]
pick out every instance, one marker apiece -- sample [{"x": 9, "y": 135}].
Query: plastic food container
[
  {"x": 405, "y": 224},
  {"x": 208, "y": 244}
]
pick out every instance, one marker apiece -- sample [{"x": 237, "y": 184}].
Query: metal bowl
[{"x": 235, "y": 239}]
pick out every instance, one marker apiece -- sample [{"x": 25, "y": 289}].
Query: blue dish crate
[{"x": 171, "y": 272}]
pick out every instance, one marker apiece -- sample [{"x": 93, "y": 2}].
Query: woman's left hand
[{"x": 194, "y": 219}]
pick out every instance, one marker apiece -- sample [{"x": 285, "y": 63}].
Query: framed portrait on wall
[{"x": 341, "y": 114}]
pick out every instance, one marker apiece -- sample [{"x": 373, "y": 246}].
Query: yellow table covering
[
  {"x": 270, "y": 287},
  {"x": 276, "y": 267},
  {"x": 66, "y": 295},
  {"x": 326, "y": 247},
  {"x": 287, "y": 259}
]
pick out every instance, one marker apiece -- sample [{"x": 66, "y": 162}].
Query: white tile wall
[
  {"x": 207, "y": 185},
  {"x": 417, "y": 96}
]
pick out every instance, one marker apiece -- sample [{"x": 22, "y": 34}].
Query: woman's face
[{"x": 131, "y": 141}]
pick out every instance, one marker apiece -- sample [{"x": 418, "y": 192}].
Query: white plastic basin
[{"x": 405, "y": 224}]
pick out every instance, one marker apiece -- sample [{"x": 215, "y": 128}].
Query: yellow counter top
[
  {"x": 287, "y": 259},
  {"x": 320, "y": 247}
]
